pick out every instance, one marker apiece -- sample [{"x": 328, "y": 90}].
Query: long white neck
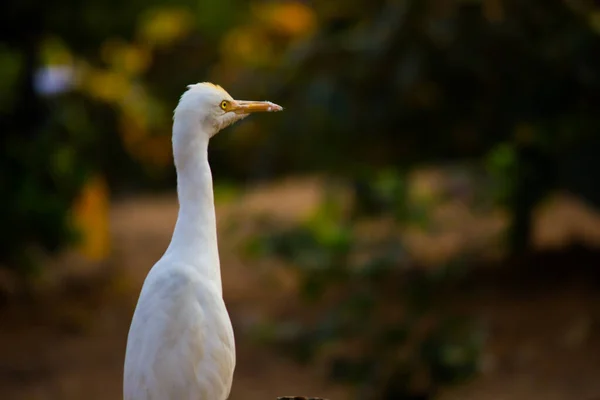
[{"x": 194, "y": 240}]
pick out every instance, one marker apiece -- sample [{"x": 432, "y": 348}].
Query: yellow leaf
[
  {"x": 292, "y": 18},
  {"x": 125, "y": 57},
  {"x": 246, "y": 45},
  {"x": 90, "y": 217},
  {"x": 163, "y": 26},
  {"x": 109, "y": 86}
]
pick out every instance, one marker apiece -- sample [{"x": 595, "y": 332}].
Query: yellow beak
[{"x": 247, "y": 107}]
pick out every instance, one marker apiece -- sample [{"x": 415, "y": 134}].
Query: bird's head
[{"x": 206, "y": 108}]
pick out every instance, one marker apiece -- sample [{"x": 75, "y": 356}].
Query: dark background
[{"x": 420, "y": 222}]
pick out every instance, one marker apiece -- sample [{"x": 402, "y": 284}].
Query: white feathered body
[{"x": 183, "y": 345}]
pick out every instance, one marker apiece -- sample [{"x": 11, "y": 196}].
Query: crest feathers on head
[{"x": 215, "y": 86}]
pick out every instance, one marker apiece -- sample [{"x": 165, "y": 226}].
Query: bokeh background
[{"x": 420, "y": 223}]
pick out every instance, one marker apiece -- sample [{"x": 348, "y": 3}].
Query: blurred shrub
[
  {"x": 385, "y": 83},
  {"x": 394, "y": 83},
  {"x": 376, "y": 319},
  {"x": 81, "y": 97},
  {"x": 43, "y": 165}
]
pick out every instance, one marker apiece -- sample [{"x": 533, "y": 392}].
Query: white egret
[{"x": 180, "y": 344}]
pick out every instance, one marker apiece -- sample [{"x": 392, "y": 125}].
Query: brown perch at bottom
[{"x": 299, "y": 398}]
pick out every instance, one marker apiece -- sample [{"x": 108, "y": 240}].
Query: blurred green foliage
[
  {"x": 79, "y": 97},
  {"x": 378, "y": 320},
  {"x": 397, "y": 83},
  {"x": 366, "y": 85}
]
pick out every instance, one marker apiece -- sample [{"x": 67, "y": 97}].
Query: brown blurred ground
[{"x": 543, "y": 344}]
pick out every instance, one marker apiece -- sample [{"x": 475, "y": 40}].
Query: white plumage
[{"x": 180, "y": 344}]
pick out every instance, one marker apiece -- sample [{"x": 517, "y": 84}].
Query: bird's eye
[{"x": 224, "y": 105}]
